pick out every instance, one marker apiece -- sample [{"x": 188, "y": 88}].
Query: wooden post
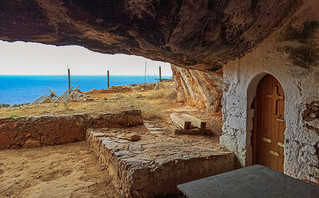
[
  {"x": 145, "y": 72},
  {"x": 180, "y": 121},
  {"x": 69, "y": 79},
  {"x": 160, "y": 74},
  {"x": 108, "y": 78}
]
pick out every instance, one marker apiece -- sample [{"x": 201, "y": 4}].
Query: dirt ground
[
  {"x": 70, "y": 170},
  {"x": 73, "y": 170}
]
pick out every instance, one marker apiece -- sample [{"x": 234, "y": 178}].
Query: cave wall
[
  {"x": 199, "y": 89},
  {"x": 291, "y": 56}
]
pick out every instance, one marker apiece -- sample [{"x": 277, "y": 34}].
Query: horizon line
[{"x": 73, "y": 75}]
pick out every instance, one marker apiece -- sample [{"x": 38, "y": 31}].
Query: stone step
[{"x": 155, "y": 165}]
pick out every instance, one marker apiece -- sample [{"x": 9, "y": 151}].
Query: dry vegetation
[{"x": 152, "y": 103}]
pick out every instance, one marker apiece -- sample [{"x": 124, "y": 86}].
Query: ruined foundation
[
  {"x": 154, "y": 165},
  {"x": 26, "y": 132}
]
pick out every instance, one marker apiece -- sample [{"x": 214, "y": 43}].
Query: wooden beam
[
  {"x": 42, "y": 100},
  {"x": 69, "y": 96},
  {"x": 46, "y": 99},
  {"x": 195, "y": 121},
  {"x": 180, "y": 121},
  {"x": 61, "y": 97},
  {"x": 53, "y": 93},
  {"x": 34, "y": 102}
]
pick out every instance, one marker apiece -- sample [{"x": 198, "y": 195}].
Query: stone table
[{"x": 254, "y": 181}]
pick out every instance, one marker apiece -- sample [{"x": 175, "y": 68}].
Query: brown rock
[
  {"x": 169, "y": 31},
  {"x": 200, "y": 89},
  {"x": 133, "y": 137},
  {"x": 31, "y": 143},
  {"x": 27, "y": 134}
]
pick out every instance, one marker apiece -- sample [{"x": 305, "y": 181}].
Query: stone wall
[
  {"x": 200, "y": 89},
  {"x": 154, "y": 165},
  {"x": 25, "y": 132},
  {"x": 291, "y": 56}
]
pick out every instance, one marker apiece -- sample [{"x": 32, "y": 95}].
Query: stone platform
[{"x": 154, "y": 165}]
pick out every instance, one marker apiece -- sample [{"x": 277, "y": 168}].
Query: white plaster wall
[{"x": 301, "y": 87}]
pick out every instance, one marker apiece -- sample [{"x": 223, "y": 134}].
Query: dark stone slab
[{"x": 254, "y": 181}]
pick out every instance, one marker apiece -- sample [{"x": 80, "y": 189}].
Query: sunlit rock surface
[{"x": 199, "y": 89}]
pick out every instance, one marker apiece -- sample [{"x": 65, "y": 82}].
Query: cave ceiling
[{"x": 202, "y": 34}]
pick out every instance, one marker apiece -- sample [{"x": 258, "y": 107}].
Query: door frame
[
  {"x": 251, "y": 90},
  {"x": 254, "y": 106}
]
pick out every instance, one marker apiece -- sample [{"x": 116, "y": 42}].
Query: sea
[{"x": 25, "y": 89}]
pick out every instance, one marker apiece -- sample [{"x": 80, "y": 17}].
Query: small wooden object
[
  {"x": 180, "y": 121},
  {"x": 37, "y": 100},
  {"x": 53, "y": 93},
  {"x": 64, "y": 94},
  {"x": 195, "y": 121}
]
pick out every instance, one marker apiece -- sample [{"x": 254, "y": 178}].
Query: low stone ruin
[
  {"x": 155, "y": 164},
  {"x": 26, "y": 132}
]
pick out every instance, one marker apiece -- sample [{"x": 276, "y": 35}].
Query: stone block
[{"x": 154, "y": 166}]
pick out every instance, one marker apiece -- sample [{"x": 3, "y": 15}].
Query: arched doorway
[{"x": 269, "y": 124}]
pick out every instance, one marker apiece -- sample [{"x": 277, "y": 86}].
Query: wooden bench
[{"x": 187, "y": 124}]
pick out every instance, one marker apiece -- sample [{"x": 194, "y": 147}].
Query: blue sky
[{"x": 20, "y": 58}]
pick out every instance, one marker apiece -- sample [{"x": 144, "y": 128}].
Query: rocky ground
[{"x": 73, "y": 170}]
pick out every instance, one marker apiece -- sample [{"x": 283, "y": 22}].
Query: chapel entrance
[{"x": 269, "y": 124}]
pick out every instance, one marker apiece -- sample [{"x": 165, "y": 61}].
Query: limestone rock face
[
  {"x": 203, "y": 34},
  {"x": 200, "y": 89}
]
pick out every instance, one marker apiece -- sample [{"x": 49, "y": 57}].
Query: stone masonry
[
  {"x": 28, "y": 132},
  {"x": 154, "y": 165}
]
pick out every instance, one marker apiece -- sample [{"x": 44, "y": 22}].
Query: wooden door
[{"x": 269, "y": 125}]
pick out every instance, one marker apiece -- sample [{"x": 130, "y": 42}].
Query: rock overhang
[{"x": 201, "y": 35}]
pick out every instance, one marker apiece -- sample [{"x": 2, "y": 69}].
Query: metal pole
[
  {"x": 145, "y": 72},
  {"x": 160, "y": 74},
  {"x": 69, "y": 78},
  {"x": 108, "y": 78}
]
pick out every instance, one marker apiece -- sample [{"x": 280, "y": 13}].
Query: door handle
[
  {"x": 280, "y": 120},
  {"x": 281, "y": 144},
  {"x": 273, "y": 153},
  {"x": 267, "y": 140}
]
